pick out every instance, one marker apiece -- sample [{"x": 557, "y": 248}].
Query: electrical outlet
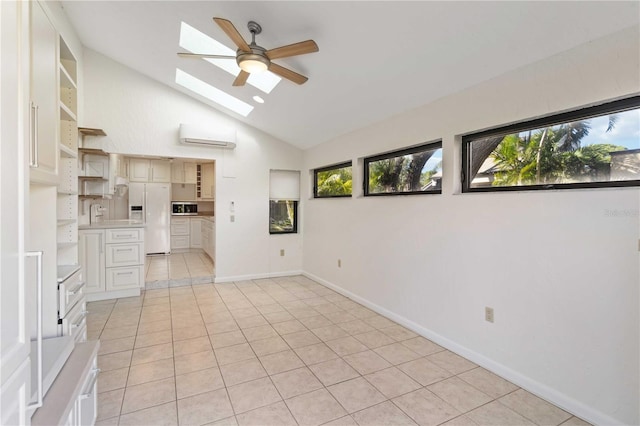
[
  {"x": 339, "y": 263},
  {"x": 488, "y": 314},
  {"x": 281, "y": 252}
]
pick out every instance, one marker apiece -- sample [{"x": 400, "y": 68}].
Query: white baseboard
[
  {"x": 541, "y": 390},
  {"x": 219, "y": 280},
  {"x": 117, "y": 294}
]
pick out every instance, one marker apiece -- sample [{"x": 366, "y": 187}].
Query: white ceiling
[{"x": 376, "y": 59}]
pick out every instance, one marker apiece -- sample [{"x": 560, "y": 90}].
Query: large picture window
[
  {"x": 333, "y": 181},
  {"x": 588, "y": 148},
  {"x": 416, "y": 170}
]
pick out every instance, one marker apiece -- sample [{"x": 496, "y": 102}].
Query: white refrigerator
[{"x": 151, "y": 202}]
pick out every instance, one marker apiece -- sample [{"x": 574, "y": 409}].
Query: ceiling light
[
  {"x": 258, "y": 99},
  {"x": 253, "y": 63}
]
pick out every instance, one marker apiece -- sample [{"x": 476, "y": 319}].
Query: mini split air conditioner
[{"x": 197, "y": 135}]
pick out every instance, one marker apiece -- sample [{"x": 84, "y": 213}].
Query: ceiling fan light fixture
[{"x": 253, "y": 63}]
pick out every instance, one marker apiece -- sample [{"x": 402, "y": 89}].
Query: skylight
[
  {"x": 197, "y": 42},
  {"x": 216, "y": 95}
]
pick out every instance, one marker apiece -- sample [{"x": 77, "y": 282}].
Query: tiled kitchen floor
[
  {"x": 286, "y": 351},
  {"x": 178, "y": 269}
]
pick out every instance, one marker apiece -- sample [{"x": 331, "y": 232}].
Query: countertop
[{"x": 107, "y": 224}]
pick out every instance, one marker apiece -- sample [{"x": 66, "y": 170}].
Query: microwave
[{"x": 184, "y": 208}]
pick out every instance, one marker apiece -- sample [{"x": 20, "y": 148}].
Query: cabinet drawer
[
  {"x": 124, "y": 278},
  {"x": 87, "y": 402},
  {"x": 180, "y": 227},
  {"x": 70, "y": 291},
  {"x": 179, "y": 242},
  {"x": 130, "y": 235},
  {"x": 125, "y": 254},
  {"x": 75, "y": 323}
]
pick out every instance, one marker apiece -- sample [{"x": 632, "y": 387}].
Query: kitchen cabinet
[
  {"x": 183, "y": 172},
  {"x": 145, "y": 170},
  {"x": 113, "y": 260},
  {"x": 180, "y": 233},
  {"x": 207, "y": 181},
  {"x": 208, "y": 237},
  {"x": 43, "y": 112},
  {"x": 91, "y": 251},
  {"x": 195, "y": 232}
]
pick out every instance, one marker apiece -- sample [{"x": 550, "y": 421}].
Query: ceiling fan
[{"x": 252, "y": 58}]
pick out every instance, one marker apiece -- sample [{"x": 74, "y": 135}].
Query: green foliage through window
[
  {"x": 334, "y": 181},
  {"x": 410, "y": 171},
  {"x": 599, "y": 150}
]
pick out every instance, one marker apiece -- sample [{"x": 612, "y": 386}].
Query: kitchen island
[{"x": 112, "y": 256}]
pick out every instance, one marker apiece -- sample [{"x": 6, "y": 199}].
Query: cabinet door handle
[
  {"x": 76, "y": 289},
  {"x": 124, "y": 273},
  {"x": 91, "y": 386},
  {"x": 118, "y": 236},
  {"x": 129, "y": 249},
  {"x": 100, "y": 243},
  {"x": 38, "y": 256},
  {"x": 37, "y": 139},
  {"x": 32, "y": 134}
]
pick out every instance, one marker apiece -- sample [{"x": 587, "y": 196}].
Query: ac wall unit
[{"x": 197, "y": 135}]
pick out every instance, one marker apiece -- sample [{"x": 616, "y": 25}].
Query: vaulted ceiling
[{"x": 376, "y": 59}]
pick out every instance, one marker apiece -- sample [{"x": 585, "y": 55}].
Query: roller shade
[{"x": 284, "y": 185}]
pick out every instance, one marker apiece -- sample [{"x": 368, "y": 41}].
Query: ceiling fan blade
[
  {"x": 301, "y": 48},
  {"x": 204, "y": 55},
  {"x": 241, "y": 79},
  {"x": 233, "y": 34},
  {"x": 287, "y": 73}
]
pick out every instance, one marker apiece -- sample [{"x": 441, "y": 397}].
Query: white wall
[
  {"x": 142, "y": 117},
  {"x": 561, "y": 274}
]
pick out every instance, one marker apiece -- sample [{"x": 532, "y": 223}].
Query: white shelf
[
  {"x": 67, "y": 152},
  {"x": 63, "y": 193},
  {"x": 66, "y": 113},
  {"x": 63, "y": 222},
  {"x": 65, "y": 271},
  {"x": 65, "y": 78}
]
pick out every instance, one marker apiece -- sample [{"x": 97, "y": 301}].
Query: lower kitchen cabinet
[
  {"x": 73, "y": 397},
  {"x": 209, "y": 237},
  {"x": 113, "y": 262},
  {"x": 195, "y": 234}
]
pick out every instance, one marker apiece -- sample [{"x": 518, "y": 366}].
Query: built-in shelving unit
[
  {"x": 94, "y": 179},
  {"x": 67, "y": 200}
]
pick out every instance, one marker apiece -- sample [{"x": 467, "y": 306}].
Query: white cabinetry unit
[
  {"x": 145, "y": 170},
  {"x": 43, "y": 149},
  {"x": 207, "y": 181},
  {"x": 15, "y": 318},
  {"x": 180, "y": 233},
  {"x": 113, "y": 259},
  {"x": 195, "y": 232},
  {"x": 183, "y": 172}
]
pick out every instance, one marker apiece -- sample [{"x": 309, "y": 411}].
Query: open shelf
[
  {"x": 92, "y": 151},
  {"x": 65, "y": 78},
  {"x": 66, "y": 113},
  {"x": 91, "y": 197},
  {"x": 62, "y": 245},
  {"x": 92, "y": 178},
  {"x": 67, "y": 152},
  {"x": 63, "y": 222},
  {"x": 86, "y": 131}
]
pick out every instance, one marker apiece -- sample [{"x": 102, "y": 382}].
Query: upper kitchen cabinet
[
  {"x": 183, "y": 172},
  {"x": 43, "y": 113},
  {"x": 145, "y": 170},
  {"x": 207, "y": 181}
]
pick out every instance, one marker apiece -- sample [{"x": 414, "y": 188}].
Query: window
[
  {"x": 333, "y": 181},
  {"x": 416, "y": 170},
  {"x": 284, "y": 194},
  {"x": 589, "y": 148}
]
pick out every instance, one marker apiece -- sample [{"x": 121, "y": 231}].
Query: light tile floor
[
  {"x": 178, "y": 269},
  {"x": 286, "y": 351}
]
